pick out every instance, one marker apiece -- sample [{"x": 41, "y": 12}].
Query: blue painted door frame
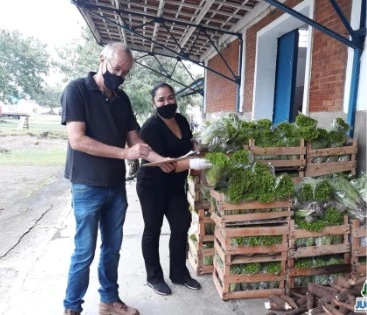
[{"x": 285, "y": 78}]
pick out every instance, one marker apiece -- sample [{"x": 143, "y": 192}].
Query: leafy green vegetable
[
  {"x": 220, "y": 162},
  {"x": 305, "y": 121},
  {"x": 241, "y": 157},
  {"x": 333, "y": 216},
  {"x": 323, "y": 190},
  {"x": 316, "y": 226},
  {"x": 273, "y": 267},
  {"x": 284, "y": 187},
  {"x": 251, "y": 268}
]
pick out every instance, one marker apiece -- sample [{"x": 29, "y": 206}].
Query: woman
[{"x": 163, "y": 194}]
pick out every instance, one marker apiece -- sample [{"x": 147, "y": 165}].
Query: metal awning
[{"x": 186, "y": 29}]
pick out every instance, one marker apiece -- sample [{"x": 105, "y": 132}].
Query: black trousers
[{"x": 155, "y": 205}]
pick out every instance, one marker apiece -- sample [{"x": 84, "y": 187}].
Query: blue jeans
[{"x": 93, "y": 206}]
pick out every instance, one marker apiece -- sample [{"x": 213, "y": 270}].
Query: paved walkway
[{"x": 33, "y": 274}]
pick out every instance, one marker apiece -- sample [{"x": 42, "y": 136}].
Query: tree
[
  {"x": 78, "y": 58},
  {"x": 50, "y": 97},
  {"x": 24, "y": 63}
]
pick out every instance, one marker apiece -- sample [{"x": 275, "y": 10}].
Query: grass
[{"x": 39, "y": 126}]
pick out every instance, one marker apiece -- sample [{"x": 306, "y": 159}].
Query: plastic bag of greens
[
  {"x": 323, "y": 240},
  {"x": 339, "y": 125},
  {"x": 337, "y": 239},
  {"x": 305, "y": 241},
  {"x": 360, "y": 184},
  {"x": 234, "y": 287},
  {"x": 322, "y": 140},
  {"x": 218, "y": 171},
  {"x": 304, "y": 189},
  {"x": 345, "y": 193}
]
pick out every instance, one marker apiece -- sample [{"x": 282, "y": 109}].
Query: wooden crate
[
  {"x": 222, "y": 212},
  {"x": 194, "y": 194},
  {"x": 198, "y": 254},
  {"x": 281, "y": 164},
  {"x": 358, "y": 251},
  {"x": 233, "y": 255},
  {"x": 200, "y": 258},
  {"x": 314, "y": 169},
  {"x": 295, "y": 252}
]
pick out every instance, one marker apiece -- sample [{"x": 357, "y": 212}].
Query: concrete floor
[{"x": 33, "y": 274}]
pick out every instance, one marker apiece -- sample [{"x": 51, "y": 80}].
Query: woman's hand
[
  {"x": 199, "y": 164},
  {"x": 168, "y": 167}
]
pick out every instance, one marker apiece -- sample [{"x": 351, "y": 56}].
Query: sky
[{"x": 53, "y": 22}]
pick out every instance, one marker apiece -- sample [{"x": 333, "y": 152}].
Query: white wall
[
  {"x": 362, "y": 88},
  {"x": 265, "y": 63}
]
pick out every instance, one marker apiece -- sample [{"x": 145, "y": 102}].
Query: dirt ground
[{"x": 17, "y": 142}]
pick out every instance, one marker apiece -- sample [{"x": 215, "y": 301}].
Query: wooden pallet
[
  {"x": 198, "y": 254},
  {"x": 318, "y": 169},
  {"x": 222, "y": 212},
  {"x": 295, "y": 253},
  {"x": 281, "y": 164},
  {"x": 358, "y": 251},
  {"x": 233, "y": 255}
]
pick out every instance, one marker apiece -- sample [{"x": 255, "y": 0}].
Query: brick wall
[
  {"x": 329, "y": 58},
  {"x": 221, "y": 93}
]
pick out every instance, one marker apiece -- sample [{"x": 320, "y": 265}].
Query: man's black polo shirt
[{"x": 107, "y": 121}]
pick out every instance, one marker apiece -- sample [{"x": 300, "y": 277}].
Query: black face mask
[
  {"x": 112, "y": 81},
  {"x": 167, "y": 111}
]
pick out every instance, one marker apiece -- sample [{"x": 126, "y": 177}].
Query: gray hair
[{"x": 110, "y": 48}]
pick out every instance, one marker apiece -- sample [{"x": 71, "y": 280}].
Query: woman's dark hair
[{"x": 160, "y": 85}]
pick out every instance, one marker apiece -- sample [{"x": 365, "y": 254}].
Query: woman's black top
[{"x": 164, "y": 142}]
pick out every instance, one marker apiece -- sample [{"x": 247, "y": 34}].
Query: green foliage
[
  {"x": 251, "y": 268},
  {"x": 24, "y": 62},
  {"x": 322, "y": 140},
  {"x": 304, "y": 192},
  {"x": 336, "y": 138},
  {"x": 273, "y": 267},
  {"x": 240, "y": 157},
  {"x": 241, "y": 185},
  {"x": 220, "y": 162},
  {"x": 303, "y": 121},
  {"x": 80, "y": 57},
  {"x": 49, "y": 97},
  {"x": 284, "y": 187},
  {"x": 323, "y": 190},
  {"x": 265, "y": 182},
  {"x": 316, "y": 226},
  {"x": 334, "y": 216}
]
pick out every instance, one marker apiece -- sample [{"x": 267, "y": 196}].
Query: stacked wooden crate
[
  {"x": 249, "y": 221},
  {"x": 283, "y": 159},
  {"x": 331, "y": 245},
  {"x": 306, "y": 161},
  {"x": 326, "y": 161},
  {"x": 359, "y": 248},
  {"x": 201, "y": 242}
]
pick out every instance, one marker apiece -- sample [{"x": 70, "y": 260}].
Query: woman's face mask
[{"x": 167, "y": 111}]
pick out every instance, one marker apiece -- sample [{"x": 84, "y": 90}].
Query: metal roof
[{"x": 186, "y": 29}]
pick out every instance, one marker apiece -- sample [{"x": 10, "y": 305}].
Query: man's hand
[
  {"x": 199, "y": 164},
  {"x": 137, "y": 151}
]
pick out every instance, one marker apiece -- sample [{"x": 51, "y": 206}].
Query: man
[{"x": 100, "y": 122}]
